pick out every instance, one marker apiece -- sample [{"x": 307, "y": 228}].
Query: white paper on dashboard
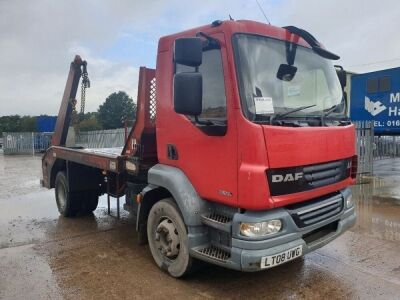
[{"x": 264, "y": 105}]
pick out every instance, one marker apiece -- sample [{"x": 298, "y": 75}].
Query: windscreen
[{"x": 310, "y": 87}]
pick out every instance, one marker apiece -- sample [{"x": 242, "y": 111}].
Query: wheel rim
[
  {"x": 167, "y": 238},
  {"x": 61, "y": 196}
]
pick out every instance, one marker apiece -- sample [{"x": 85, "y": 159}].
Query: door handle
[{"x": 172, "y": 152}]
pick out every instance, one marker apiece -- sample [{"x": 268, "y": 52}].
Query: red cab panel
[{"x": 288, "y": 146}]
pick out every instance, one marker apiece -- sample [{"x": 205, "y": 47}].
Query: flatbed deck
[
  {"x": 107, "y": 159},
  {"x": 116, "y": 151}
]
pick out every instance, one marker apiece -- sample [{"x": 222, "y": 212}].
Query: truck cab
[
  {"x": 244, "y": 147},
  {"x": 242, "y": 154},
  {"x": 252, "y": 153}
]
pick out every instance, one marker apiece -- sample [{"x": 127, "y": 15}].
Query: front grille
[
  {"x": 283, "y": 181},
  {"x": 317, "y": 210},
  {"x": 324, "y": 174}
]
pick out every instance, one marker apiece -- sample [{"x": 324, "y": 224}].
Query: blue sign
[
  {"x": 45, "y": 123},
  {"x": 375, "y": 96}
]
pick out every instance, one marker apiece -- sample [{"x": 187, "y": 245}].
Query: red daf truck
[{"x": 241, "y": 155}]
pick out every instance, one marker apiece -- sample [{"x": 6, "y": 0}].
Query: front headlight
[
  {"x": 349, "y": 201},
  {"x": 260, "y": 228}
]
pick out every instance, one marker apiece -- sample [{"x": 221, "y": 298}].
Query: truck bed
[
  {"x": 104, "y": 151},
  {"x": 107, "y": 159}
]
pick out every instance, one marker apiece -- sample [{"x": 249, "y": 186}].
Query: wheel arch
[
  {"x": 151, "y": 194},
  {"x": 177, "y": 184}
]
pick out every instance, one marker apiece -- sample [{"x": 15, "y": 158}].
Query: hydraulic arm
[{"x": 77, "y": 69}]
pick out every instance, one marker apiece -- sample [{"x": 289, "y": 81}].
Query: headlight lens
[
  {"x": 261, "y": 228},
  {"x": 349, "y": 201}
]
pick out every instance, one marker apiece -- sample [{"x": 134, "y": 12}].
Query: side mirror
[
  {"x": 188, "y": 93},
  {"x": 188, "y": 51},
  {"x": 286, "y": 72},
  {"x": 341, "y": 73}
]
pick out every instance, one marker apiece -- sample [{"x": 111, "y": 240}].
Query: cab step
[
  {"x": 215, "y": 253},
  {"x": 217, "y": 221}
]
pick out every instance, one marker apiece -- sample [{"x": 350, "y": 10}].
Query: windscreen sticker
[
  {"x": 263, "y": 105},
  {"x": 293, "y": 90}
]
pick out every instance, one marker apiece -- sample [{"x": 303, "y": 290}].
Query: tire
[
  {"x": 168, "y": 240},
  {"x": 89, "y": 201},
  {"x": 67, "y": 202}
]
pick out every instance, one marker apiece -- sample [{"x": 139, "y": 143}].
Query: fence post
[
  {"x": 33, "y": 144},
  {"x": 365, "y": 147}
]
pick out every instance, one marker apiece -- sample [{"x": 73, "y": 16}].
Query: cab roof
[{"x": 230, "y": 27}]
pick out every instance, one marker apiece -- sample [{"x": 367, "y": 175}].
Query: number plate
[{"x": 280, "y": 258}]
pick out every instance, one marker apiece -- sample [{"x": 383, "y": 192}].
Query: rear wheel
[
  {"x": 67, "y": 202},
  {"x": 168, "y": 238}
]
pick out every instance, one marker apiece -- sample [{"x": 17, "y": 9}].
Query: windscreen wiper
[
  {"x": 291, "y": 111},
  {"x": 329, "y": 111}
]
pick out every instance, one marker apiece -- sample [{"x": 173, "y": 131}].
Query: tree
[
  {"x": 87, "y": 116},
  {"x": 117, "y": 108},
  {"x": 16, "y": 123},
  {"x": 89, "y": 125},
  {"x": 28, "y": 124},
  {"x": 10, "y": 123}
]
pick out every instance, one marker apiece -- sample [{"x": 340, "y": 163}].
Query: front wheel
[{"x": 168, "y": 238}]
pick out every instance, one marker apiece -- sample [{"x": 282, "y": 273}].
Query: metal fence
[
  {"x": 386, "y": 147},
  {"x": 25, "y": 142},
  {"x": 33, "y": 142},
  {"x": 364, "y": 147},
  {"x": 101, "y": 138}
]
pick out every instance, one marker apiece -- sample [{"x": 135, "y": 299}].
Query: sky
[{"x": 39, "y": 38}]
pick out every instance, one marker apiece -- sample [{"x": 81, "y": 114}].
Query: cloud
[{"x": 38, "y": 39}]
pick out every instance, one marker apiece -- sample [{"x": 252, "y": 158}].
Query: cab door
[{"x": 206, "y": 149}]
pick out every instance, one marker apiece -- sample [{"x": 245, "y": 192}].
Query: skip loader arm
[{"x": 78, "y": 66}]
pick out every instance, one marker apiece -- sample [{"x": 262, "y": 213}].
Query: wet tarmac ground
[{"x": 45, "y": 256}]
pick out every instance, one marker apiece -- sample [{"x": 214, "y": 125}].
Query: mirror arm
[{"x": 212, "y": 43}]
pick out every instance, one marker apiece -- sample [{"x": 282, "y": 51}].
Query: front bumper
[
  {"x": 246, "y": 253},
  {"x": 250, "y": 259}
]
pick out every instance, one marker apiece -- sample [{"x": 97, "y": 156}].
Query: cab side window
[{"x": 214, "y": 99}]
